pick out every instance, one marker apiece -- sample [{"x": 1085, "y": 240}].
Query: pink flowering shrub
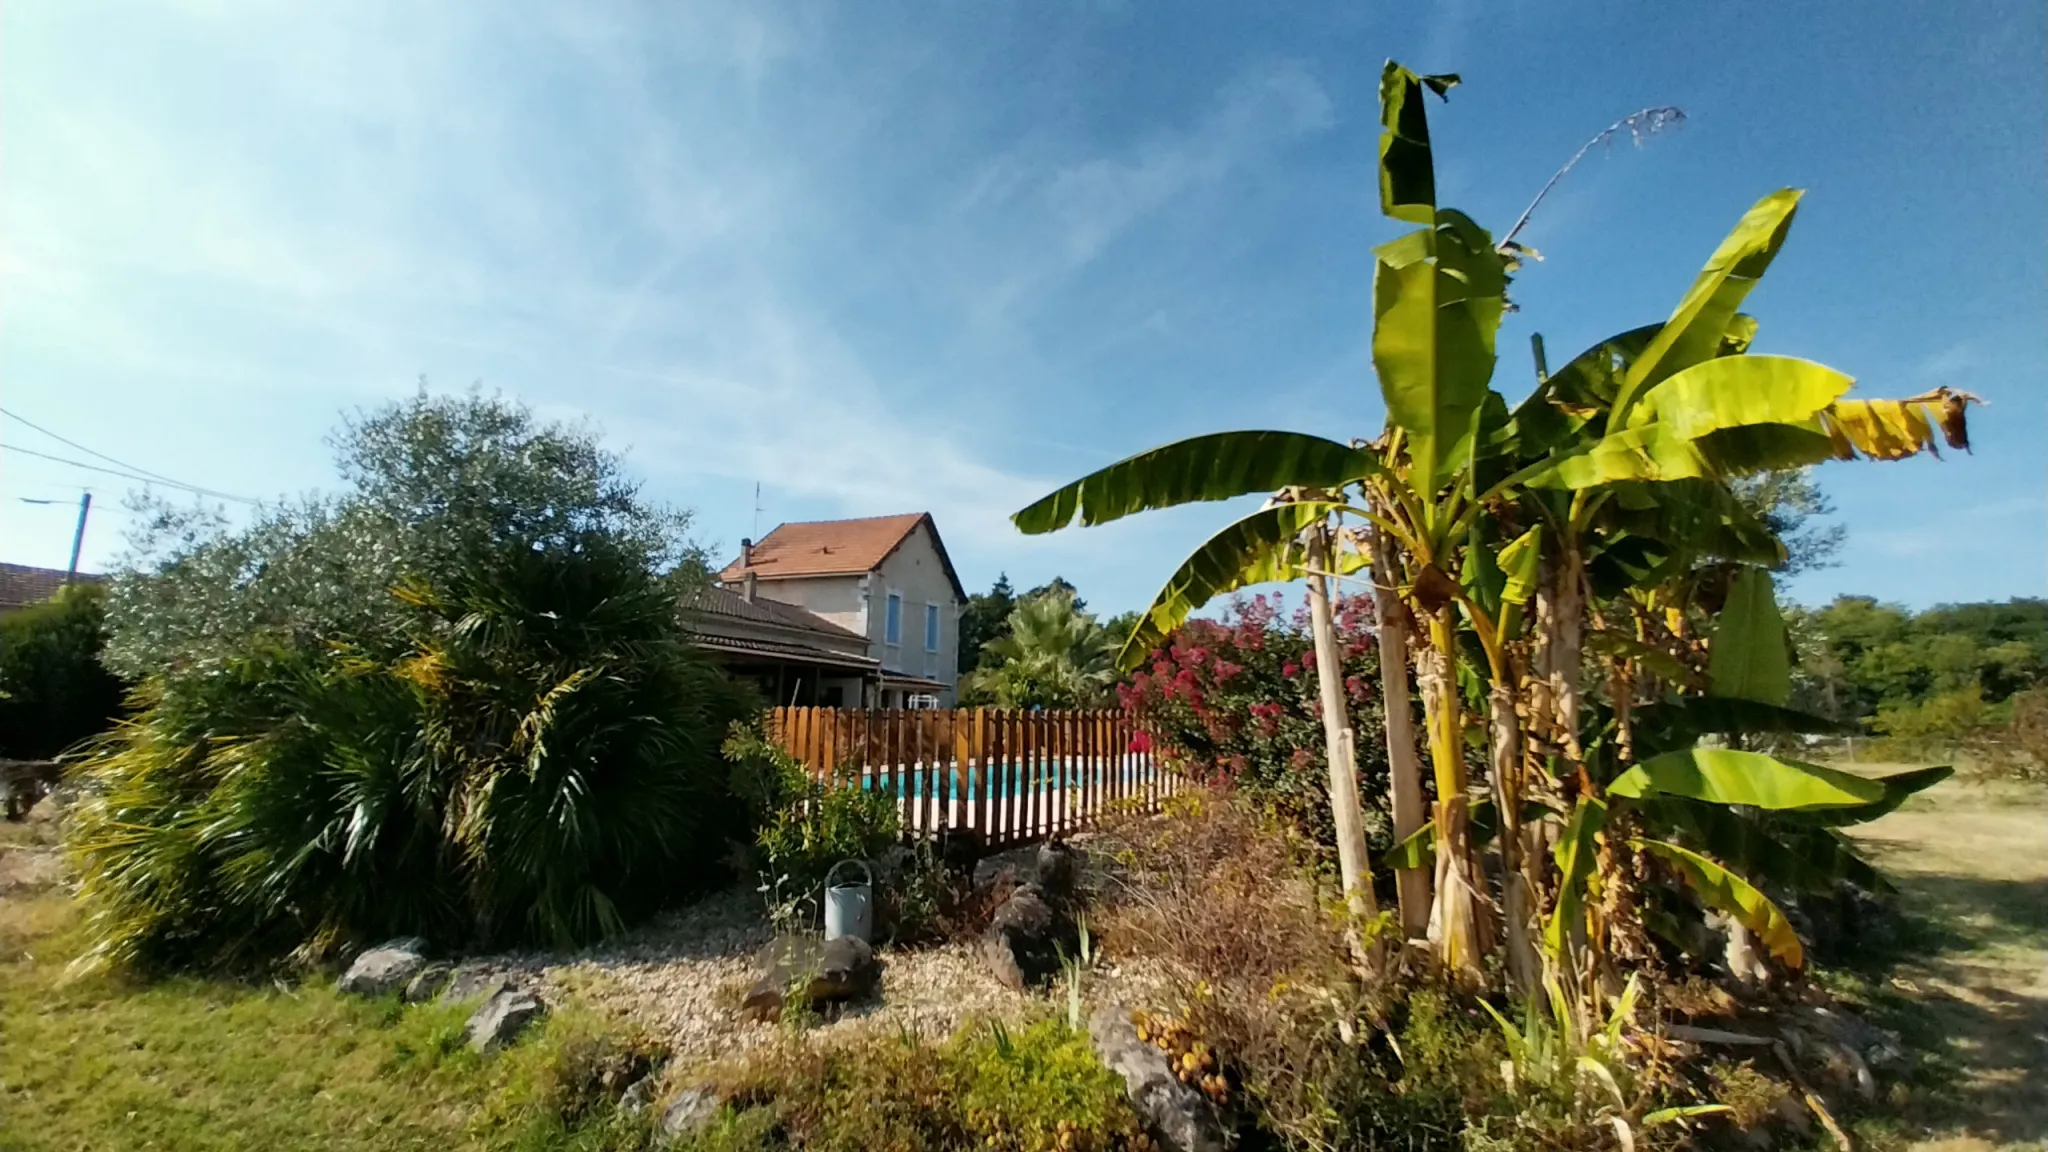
[{"x": 1236, "y": 700}]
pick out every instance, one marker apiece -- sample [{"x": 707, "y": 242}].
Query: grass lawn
[
  {"x": 1971, "y": 859},
  {"x": 98, "y": 1064}
]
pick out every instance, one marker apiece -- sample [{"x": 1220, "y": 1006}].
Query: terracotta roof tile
[{"x": 827, "y": 547}]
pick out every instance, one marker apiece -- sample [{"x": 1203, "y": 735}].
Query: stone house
[{"x": 886, "y": 580}]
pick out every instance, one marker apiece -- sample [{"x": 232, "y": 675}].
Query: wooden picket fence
[{"x": 1014, "y": 777}]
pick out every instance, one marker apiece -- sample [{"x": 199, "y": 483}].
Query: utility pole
[{"x": 78, "y": 537}]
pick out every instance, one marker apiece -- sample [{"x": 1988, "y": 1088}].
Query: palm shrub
[
  {"x": 464, "y": 709},
  {"x": 1054, "y": 655}
]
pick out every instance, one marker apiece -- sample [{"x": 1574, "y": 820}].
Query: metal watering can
[{"x": 849, "y": 904}]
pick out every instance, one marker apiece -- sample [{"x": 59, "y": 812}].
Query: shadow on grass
[{"x": 1963, "y": 984}]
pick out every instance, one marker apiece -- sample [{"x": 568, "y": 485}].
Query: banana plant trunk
[
  {"x": 1455, "y": 921},
  {"x": 1404, "y": 763},
  {"x": 1346, "y": 810},
  {"x": 1518, "y": 898}
]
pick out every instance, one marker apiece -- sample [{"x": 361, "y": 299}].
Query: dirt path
[{"x": 1973, "y": 859}]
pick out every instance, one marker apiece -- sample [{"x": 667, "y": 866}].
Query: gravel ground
[{"x": 682, "y": 978}]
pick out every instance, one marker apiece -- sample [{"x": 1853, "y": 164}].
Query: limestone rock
[
  {"x": 637, "y": 1096},
  {"x": 502, "y": 1018},
  {"x": 385, "y": 968},
  {"x": 691, "y": 1111},
  {"x": 1178, "y": 1117},
  {"x": 828, "y": 971},
  {"x": 469, "y": 982},
  {"x": 428, "y": 982}
]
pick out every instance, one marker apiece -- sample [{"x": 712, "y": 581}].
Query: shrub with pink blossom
[{"x": 1236, "y": 700}]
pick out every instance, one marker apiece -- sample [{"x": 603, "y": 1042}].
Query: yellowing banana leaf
[
  {"x": 1750, "y": 658},
  {"x": 1652, "y": 659},
  {"x": 1724, "y": 776},
  {"x": 1262, "y": 547},
  {"x": 1407, "y": 170},
  {"x": 1735, "y": 391},
  {"x": 1220, "y": 466},
  {"x": 1722, "y": 889},
  {"x": 1698, "y": 326},
  {"x": 1897, "y": 429}
]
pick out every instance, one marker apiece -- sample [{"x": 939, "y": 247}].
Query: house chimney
[{"x": 747, "y": 571}]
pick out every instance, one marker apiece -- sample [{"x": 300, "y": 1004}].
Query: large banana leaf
[
  {"x": 1434, "y": 323},
  {"x": 1679, "y": 722},
  {"x": 1407, "y": 171},
  {"x": 1698, "y": 326},
  {"x": 1262, "y": 547},
  {"x": 1734, "y": 391},
  {"x": 1723, "y": 776},
  {"x": 1897, "y": 788},
  {"x": 1720, "y": 888},
  {"x": 1751, "y": 657},
  {"x": 1220, "y": 466},
  {"x": 1701, "y": 517},
  {"x": 1801, "y": 856},
  {"x": 1651, "y": 452}
]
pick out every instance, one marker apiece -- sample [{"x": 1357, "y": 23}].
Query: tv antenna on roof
[{"x": 757, "y": 510}]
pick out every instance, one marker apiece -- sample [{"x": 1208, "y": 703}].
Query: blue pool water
[{"x": 917, "y": 782}]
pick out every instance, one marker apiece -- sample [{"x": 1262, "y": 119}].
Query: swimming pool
[{"x": 919, "y": 783}]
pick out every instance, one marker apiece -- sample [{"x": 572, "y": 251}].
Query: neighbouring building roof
[
  {"x": 724, "y": 602},
  {"x": 722, "y": 620},
  {"x": 22, "y": 585},
  {"x": 836, "y": 548}
]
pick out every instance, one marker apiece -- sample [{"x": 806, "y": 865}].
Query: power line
[
  {"x": 146, "y": 473},
  {"x": 145, "y": 478}
]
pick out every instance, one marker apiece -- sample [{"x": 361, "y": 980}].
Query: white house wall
[
  {"x": 836, "y": 598},
  {"x": 916, "y": 572}
]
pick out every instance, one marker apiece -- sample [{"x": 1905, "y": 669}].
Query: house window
[
  {"x": 931, "y": 627},
  {"x": 892, "y": 623}
]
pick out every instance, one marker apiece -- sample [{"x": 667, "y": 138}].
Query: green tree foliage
[
  {"x": 54, "y": 691},
  {"x": 1053, "y": 655},
  {"x": 465, "y": 711},
  {"x": 986, "y": 617},
  {"x": 1793, "y": 507},
  {"x": 1861, "y": 657}
]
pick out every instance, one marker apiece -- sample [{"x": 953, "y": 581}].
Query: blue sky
[{"x": 886, "y": 257}]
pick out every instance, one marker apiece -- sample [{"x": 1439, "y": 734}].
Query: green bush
[
  {"x": 456, "y": 703},
  {"x": 54, "y": 692},
  {"x": 1037, "y": 1089},
  {"x": 806, "y": 824}
]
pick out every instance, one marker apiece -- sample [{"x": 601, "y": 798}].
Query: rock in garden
[
  {"x": 1176, "y": 1115},
  {"x": 470, "y": 982},
  {"x": 826, "y": 971},
  {"x": 385, "y": 968},
  {"x": 689, "y": 1112},
  {"x": 959, "y": 850},
  {"x": 1025, "y": 939},
  {"x": 502, "y": 1018},
  {"x": 637, "y": 1096},
  {"x": 1054, "y": 871},
  {"x": 427, "y": 983}
]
